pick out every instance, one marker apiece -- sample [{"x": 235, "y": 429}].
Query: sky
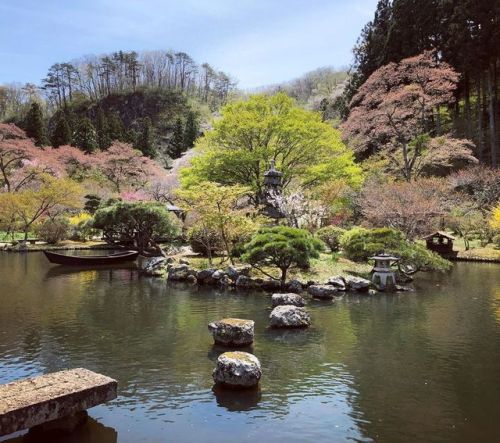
[{"x": 258, "y": 42}]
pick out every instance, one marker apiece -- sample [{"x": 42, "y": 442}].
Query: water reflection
[
  {"x": 91, "y": 432},
  {"x": 418, "y": 366},
  {"x": 235, "y": 400}
]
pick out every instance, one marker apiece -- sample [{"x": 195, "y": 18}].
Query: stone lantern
[
  {"x": 273, "y": 179},
  {"x": 273, "y": 184},
  {"x": 383, "y": 275}
]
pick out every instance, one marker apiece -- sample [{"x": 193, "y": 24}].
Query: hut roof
[{"x": 439, "y": 234}]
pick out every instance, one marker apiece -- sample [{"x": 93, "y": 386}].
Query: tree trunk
[
  {"x": 468, "y": 130},
  {"x": 491, "y": 112},
  {"x": 479, "y": 118},
  {"x": 283, "y": 278}
]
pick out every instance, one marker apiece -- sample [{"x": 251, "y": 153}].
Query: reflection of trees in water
[{"x": 426, "y": 364}]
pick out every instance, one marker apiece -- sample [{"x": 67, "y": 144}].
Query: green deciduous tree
[
  {"x": 253, "y": 132},
  {"x": 282, "y": 247},
  {"x": 140, "y": 224},
  {"x": 217, "y": 209},
  {"x": 24, "y": 209}
]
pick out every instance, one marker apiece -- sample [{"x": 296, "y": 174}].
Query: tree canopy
[
  {"x": 282, "y": 247},
  {"x": 254, "y": 132}
]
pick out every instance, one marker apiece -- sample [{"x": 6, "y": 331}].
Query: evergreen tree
[
  {"x": 145, "y": 140},
  {"x": 177, "y": 142},
  {"x": 102, "y": 129},
  {"x": 115, "y": 126},
  {"x": 85, "y": 137},
  {"x": 191, "y": 130},
  {"x": 34, "y": 125},
  {"x": 62, "y": 133}
]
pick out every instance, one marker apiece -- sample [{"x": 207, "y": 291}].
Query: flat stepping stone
[
  {"x": 323, "y": 292},
  {"x": 232, "y": 331},
  {"x": 289, "y": 317},
  {"x": 34, "y": 401},
  {"x": 287, "y": 299},
  {"x": 237, "y": 370}
]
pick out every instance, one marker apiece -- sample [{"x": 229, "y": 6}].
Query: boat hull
[{"x": 90, "y": 260}]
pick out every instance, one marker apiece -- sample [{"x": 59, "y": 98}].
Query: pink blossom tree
[
  {"x": 124, "y": 167},
  {"x": 396, "y": 110}
]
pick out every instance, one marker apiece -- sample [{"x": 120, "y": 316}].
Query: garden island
[{"x": 317, "y": 260}]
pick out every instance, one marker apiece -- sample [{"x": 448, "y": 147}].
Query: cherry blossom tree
[
  {"x": 124, "y": 167},
  {"x": 397, "y": 110},
  {"x": 414, "y": 208}
]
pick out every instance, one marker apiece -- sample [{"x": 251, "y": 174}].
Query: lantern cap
[{"x": 384, "y": 256}]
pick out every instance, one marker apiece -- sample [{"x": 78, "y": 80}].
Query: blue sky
[{"x": 258, "y": 42}]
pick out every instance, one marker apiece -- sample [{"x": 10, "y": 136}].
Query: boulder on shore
[
  {"x": 178, "y": 273},
  {"x": 237, "y": 370},
  {"x": 338, "y": 282},
  {"x": 323, "y": 292},
  {"x": 232, "y": 331},
  {"x": 294, "y": 286},
  {"x": 289, "y": 317},
  {"x": 287, "y": 299},
  {"x": 235, "y": 271},
  {"x": 245, "y": 282},
  {"x": 357, "y": 283}
]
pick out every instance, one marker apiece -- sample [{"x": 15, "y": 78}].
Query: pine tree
[
  {"x": 177, "y": 141},
  {"x": 62, "y": 133},
  {"x": 85, "y": 137},
  {"x": 102, "y": 129},
  {"x": 191, "y": 130},
  {"x": 145, "y": 140},
  {"x": 34, "y": 125},
  {"x": 116, "y": 128}
]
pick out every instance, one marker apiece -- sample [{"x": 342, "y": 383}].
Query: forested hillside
[
  {"x": 158, "y": 101},
  {"x": 466, "y": 35},
  {"x": 318, "y": 90}
]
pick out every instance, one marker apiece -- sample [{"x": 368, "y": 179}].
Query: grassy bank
[{"x": 321, "y": 269}]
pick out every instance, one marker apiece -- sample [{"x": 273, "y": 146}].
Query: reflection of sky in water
[{"x": 386, "y": 368}]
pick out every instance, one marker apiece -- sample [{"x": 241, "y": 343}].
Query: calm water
[{"x": 422, "y": 366}]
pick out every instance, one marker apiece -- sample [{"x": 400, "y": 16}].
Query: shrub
[
  {"x": 81, "y": 227},
  {"x": 204, "y": 240},
  {"x": 53, "y": 231},
  {"x": 496, "y": 241},
  {"x": 282, "y": 247},
  {"x": 359, "y": 244},
  {"x": 330, "y": 235},
  {"x": 140, "y": 224}
]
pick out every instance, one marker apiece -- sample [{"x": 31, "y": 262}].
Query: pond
[{"x": 420, "y": 366}]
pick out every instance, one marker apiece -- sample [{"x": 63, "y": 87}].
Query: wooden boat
[{"x": 91, "y": 260}]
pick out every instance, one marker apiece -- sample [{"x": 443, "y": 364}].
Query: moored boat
[{"x": 91, "y": 260}]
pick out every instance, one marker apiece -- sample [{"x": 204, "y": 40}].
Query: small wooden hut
[{"x": 440, "y": 242}]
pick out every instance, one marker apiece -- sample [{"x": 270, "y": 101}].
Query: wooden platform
[{"x": 34, "y": 401}]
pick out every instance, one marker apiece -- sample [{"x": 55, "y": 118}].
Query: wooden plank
[{"x": 33, "y": 401}]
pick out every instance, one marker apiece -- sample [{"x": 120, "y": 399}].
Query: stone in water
[{"x": 237, "y": 370}]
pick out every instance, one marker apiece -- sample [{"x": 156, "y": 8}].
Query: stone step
[{"x": 34, "y": 401}]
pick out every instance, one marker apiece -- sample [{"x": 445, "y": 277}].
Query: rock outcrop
[
  {"x": 237, "y": 370},
  {"x": 289, "y": 317},
  {"x": 232, "y": 331}
]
